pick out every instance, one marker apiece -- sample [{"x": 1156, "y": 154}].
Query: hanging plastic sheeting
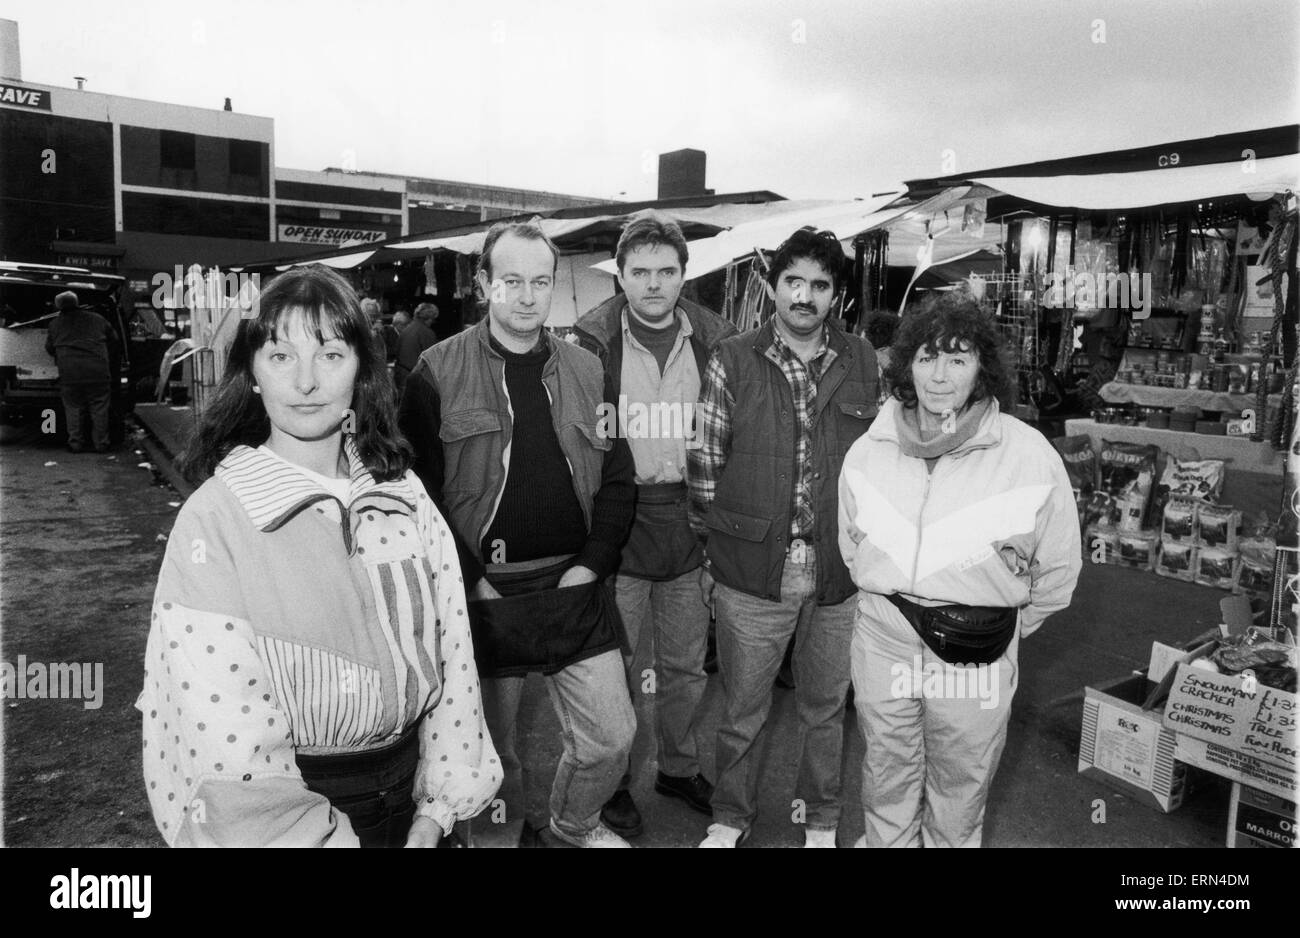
[
  {"x": 577, "y": 289},
  {"x": 755, "y": 305},
  {"x": 215, "y": 302},
  {"x": 180, "y": 350}
]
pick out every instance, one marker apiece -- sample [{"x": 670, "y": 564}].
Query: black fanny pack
[{"x": 961, "y": 634}]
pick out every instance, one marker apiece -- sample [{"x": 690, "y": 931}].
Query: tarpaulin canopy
[
  {"x": 569, "y": 233},
  {"x": 846, "y": 219},
  {"x": 911, "y": 227},
  {"x": 1154, "y": 187},
  {"x": 339, "y": 262}
]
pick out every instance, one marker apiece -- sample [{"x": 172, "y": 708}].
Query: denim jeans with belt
[{"x": 752, "y": 637}]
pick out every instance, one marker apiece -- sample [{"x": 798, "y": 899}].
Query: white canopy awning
[
  {"x": 910, "y": 227},
  {"x": 338, "y": 262},
  {"x": 1157, "y": 186},
  {"x": 846, "y": 219}
]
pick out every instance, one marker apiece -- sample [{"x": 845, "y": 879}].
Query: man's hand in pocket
[{"x": 576, "y": 576}]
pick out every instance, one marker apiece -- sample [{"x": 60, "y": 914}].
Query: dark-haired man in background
[{"x": 655, "y": 347}]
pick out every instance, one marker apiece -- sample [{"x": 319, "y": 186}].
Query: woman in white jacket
[{"x": 958, "y": 524}]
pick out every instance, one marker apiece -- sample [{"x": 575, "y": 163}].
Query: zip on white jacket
[{"x": 995, "y": 523}]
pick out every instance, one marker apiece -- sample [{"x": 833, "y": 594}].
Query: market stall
[{"x": 1150, "y": 296}]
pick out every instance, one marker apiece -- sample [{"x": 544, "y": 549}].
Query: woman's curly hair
[{"x": 951, "y": 322}]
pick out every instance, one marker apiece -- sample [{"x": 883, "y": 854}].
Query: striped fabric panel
[
  {"x": 264, "y": 486},
  {"x": 267, "y": 487},
  {"x": 328, "y": 700},
  {"x": 407, "y": 611}
]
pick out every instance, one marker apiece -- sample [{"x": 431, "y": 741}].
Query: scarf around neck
[{"x": 914, "y": 442}]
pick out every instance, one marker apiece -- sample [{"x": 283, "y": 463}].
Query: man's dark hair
[
  {"x": 808, "y": 244},
  {"x": 951, "y": 322},
  {"x": 649, "y": 228},
  {"x": 881, "y": 328},
  {"x": 528, "y": 230}
]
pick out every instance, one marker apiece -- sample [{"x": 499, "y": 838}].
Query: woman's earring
[{"x": 256, "y": 389}]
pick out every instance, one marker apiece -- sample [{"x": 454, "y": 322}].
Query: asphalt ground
[{"x": 81, "y": 540}]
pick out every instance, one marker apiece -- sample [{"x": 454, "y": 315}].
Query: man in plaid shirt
[{"x": 781, "y": 406}]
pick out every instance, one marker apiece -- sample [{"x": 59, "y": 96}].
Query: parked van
[{"x": 29, "y": 386}]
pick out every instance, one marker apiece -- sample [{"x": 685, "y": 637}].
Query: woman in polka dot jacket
[{"x": 309, "y": 675}]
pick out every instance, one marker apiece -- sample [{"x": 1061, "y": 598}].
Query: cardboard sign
[
  {"x": 1258, "y": 819},
  {"x": 1163, "y": 659},
  {"x": 1228, "y": 763},
  {"x": 1234, "y": 712}
]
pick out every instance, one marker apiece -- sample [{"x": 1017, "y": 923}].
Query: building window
[
  {"x": 177, "y": 149},
  {"x": 245, "y": 158}
]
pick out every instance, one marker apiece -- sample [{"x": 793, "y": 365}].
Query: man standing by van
[{"x": 83, "y": 344}]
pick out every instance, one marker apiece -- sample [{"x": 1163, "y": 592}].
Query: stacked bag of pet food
[
  {"x": 1202, "y": 541},
  {"x": 1175, "y": 526},
  {"x": 1113, "y": 490}
]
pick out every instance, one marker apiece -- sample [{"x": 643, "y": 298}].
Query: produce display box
[
  {"x": 1259, "y": 819},
  {"x": 1127, "y": 748},
  {"x": 1235, "y": 727}
]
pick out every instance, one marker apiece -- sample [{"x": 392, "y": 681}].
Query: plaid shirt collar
[{"x": 816, "y": 365}]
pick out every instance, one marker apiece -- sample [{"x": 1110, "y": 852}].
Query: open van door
[{"x": 29, "y": 386}]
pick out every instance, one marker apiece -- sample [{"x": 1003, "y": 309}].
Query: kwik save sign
[
  {"x": 332, "y": 237},
  {"x": 18, "y": 96}
]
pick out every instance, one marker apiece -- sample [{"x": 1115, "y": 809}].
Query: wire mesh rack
[{"x": 1014, "y": 301}]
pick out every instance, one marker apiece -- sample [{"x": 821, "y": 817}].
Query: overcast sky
[{"x": 808, "y": 98}]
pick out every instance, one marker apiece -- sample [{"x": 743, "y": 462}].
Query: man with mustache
[{"x": 781, "y": 406}]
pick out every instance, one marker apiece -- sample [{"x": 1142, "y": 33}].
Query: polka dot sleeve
[
  {"x": 218, "y": 755},
  {"x": 459, "y": 769}
]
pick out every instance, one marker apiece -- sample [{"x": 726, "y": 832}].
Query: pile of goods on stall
[
  {"x": 1268, "y": 655},
  {"x": 1140, "y": 507}
]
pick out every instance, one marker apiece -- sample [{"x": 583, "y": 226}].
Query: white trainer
[
  {"x": 720, "y": 835},
  {"x": 598, "y": 836},
  {"x": 816, "y": 838}
]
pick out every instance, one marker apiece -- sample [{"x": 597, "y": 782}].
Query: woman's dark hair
[
  {"x": 881, "y": 328},
  {"x": 949, "y": 322},
  {"x": 237, "y": 415}
]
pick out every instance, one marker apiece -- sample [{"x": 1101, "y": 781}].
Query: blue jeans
[
  {"x": 675, "y": 610},
  {"x": 752, "y": 637},
  {"x": 596, "y": 724}
]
